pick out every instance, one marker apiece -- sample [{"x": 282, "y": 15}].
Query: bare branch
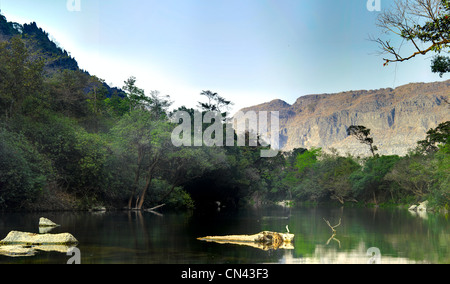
[
  {"x": 411, "y": 20},
  {"x": 420, "y": 52},
  {"x": 333, "y": 228}
]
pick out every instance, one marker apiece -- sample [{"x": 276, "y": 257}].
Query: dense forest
[{"x": 70, "y": 142}]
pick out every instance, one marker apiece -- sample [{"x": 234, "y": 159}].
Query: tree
[
  {"x": 23, "y": 171},
  {"x": 370, "y": 182},
  {"x": 441, "y": 65},
  {"x": 439, "y": 135},
  {"x": 183, "y": 164},
  {"x": 363, "y": 135},
  {"x": 136, "y": 96},
  {"x": 21, "y": 78},
  {"x": 96, "y": 102},
  {"x": 7, "y": 28},
  {"x": 158, "y": 105},
  {"x": 215, "y": 102},
  {"x": 414, "y": 174},
  {"x": 336, "y": 178},
  {"x": 307, "y": 159},
  {"x": 417, "y": 21},
  {"x": 67, "y": 93},
  {"x": 141, "y": 141}
]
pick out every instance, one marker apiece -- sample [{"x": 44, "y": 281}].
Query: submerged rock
[
  {"x": 17, "y": 238},
  {"x": 17, "y": 251}
]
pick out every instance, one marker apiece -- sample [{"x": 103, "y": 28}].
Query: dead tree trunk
[
  {"x": 136, "y": 176},
  {"x": 148, "y": 183}
]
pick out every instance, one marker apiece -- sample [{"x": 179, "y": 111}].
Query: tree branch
[
  {"x": 333, "y": 228},
  {"x": 420, "y": 52}
]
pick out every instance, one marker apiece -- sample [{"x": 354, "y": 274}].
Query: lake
[{"x": 377, "y": 235}]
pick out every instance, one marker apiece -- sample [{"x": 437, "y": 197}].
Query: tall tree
[
  {"x": 215, "y": 102},
  {"x": 136, "y": 96},
  {"x": 142, "y": 141},
  {"x": 363, "y": 135},
  {"x": 21, "y": 78},
  {"x": 436, "y": 136}
]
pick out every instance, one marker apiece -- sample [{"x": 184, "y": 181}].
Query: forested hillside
[{"x": 70, "y": 142}]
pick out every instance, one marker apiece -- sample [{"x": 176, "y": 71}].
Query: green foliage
[
  {"x": 21, "y": 78},
  {"x": 7, "y": 28},
  {"x": 328, "y": 179},
  {"x": 440, "y": 64},
  {"x": 370, "y": 181},
  {"x": 68, "y": 131},
  {"x": 307, "y": 159},
  {"x": 363, "y": 135},
  {"x": 67, "y": 93},
  {"x": 439, "y": 135},
  {"x": 420, "y": 23},
  {"x": 413, "y": 175},
  {"x": 440, "y": 193},
  {"x": 22, "y": 171},
  {"x": 136, "y": 96}
]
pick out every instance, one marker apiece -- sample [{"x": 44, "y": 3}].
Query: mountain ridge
[
  {"x": 397, "y": 117},
  {"x": 56, "y": 58}
]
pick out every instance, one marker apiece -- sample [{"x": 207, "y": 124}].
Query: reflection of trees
[
  {"x": 395, "y": 232},
  {"x": 140, "y": 243}
]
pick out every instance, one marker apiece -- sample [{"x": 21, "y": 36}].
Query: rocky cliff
[{"x": 397, "y": 117}]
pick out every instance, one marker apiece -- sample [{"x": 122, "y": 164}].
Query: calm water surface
[{"x": 131, "y": 237}]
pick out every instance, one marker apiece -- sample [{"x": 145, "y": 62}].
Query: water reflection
[
  {"x": 333, "y": 229},
  {"x": 142, "y": 237},
  {"x": 359, "y": 255}
]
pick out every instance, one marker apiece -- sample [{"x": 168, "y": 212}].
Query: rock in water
[
  {"x": 15, "y": 237},
  {"x": 423, "y": 206},
  {"x": 413, "y": 208},
  {"x": 44, "y": 222}
]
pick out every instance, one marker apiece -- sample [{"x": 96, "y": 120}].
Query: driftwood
[
  {"x": 333, "y": 228},
  {"x": 152, "y": 210},
  {"x": 156, "y": 207},
  {"x": 264, "y": 240}
]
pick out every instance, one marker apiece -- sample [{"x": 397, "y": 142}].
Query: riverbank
[{"x": 412, "y": 207}]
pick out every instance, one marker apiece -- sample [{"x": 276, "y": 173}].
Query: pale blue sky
[{"x": 249, "y": 51}]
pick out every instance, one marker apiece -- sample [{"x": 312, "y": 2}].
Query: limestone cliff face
[{"x": 398, "y": 118}]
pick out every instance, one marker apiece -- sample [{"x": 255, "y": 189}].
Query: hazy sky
[{"x": 249, "y": 51}]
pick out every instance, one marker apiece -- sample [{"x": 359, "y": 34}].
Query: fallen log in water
[{"x": 264, "y": 240}]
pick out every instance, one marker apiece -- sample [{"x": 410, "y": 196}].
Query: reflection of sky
[
  {"x": 329, "y": 255},
  {"x": 249, "y": 51}
]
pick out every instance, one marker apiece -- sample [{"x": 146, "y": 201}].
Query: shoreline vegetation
[{"x": 70, "y": 142}]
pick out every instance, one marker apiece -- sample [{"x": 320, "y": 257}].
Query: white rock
[
  {"x": 44, "y": 222},
  {"x": 422, "y": 206},
  {"x": 413, "y": 208},
  {"x": 16, "y": 238}
]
